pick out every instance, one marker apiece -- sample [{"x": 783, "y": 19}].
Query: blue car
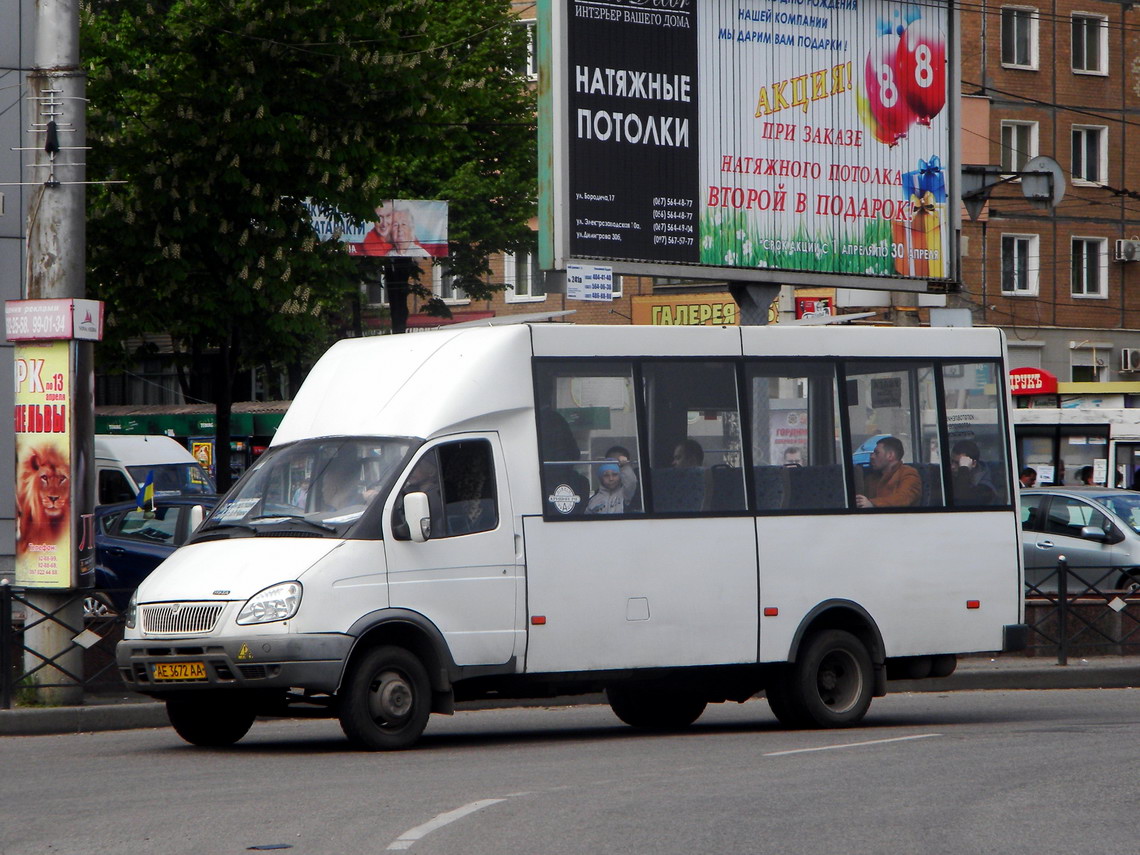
[
  {"x": 862, "y": 455},
  {"x": 130, "y": 543}
]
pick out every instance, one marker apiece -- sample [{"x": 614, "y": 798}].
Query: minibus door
[{"x": 465, "y": 578}]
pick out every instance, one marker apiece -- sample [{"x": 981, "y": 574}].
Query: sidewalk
[{"x": 128, "y": 711}]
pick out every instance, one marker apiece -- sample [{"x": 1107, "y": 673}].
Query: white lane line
[
  {"x": 405, "y": 840},
  {"x": 852, "y": 744}
]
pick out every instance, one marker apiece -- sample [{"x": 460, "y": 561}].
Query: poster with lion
[{"x": 44, "y": 488}]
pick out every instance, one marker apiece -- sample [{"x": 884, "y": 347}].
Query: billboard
[
  {"x": 774, "y": 140},
  {"x": 44, "y": 484},
  {"x": 402, "y": 228}
]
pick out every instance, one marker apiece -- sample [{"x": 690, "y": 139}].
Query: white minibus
[{"x": 672, "y": 516}]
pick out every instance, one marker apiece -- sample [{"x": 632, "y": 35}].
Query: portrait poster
[
  {"x": 44, "y": 486},
  {"x": 400, "y": 228}
]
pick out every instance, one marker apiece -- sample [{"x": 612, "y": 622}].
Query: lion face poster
[{"x": 43, "y": 466}]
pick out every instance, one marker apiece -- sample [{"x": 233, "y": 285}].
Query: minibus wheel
[
  {"x": 829, "y": 685},
  {"x": 386, "y": 700},
  {"x": 210, "y": 722},
  {"x": 655, "y": 708}
]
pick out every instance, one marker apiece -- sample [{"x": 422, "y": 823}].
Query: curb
[
  {"x": 61, "y": 720},
  {"x": 978, "y": 675},
  {"x": 1049, "y": 676}
]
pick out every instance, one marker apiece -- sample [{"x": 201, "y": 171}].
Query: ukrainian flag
[{"x": 146, "y": 494}]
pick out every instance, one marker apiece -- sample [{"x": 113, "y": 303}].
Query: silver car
[{"x": 1097, "y": 529}]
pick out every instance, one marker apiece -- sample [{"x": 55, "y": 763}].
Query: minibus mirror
[
  {"x": 418, "y": 514},
  {"x": 197, "y": 514}
]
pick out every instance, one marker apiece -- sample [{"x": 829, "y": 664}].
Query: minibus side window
[
  {"x": 693, "y": 418},
  {"x": 467, "y": 472},
  {"x": 978, "y": 468},
  {"x": 797, "y": 464},
  {"x": 892, "y": 415},
  {"x": 459, "y": 480},
  {"x": 587, "y": 428}
]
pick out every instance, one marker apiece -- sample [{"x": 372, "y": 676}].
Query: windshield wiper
[{"x": 293, "y": 518}]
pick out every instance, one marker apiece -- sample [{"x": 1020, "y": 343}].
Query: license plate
[{"x": 169, "y": 671}]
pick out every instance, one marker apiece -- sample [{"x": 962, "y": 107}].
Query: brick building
[{"x": 1056, "y": 79}]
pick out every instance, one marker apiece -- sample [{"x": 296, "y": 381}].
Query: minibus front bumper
[{"x": 161, "y": 667}]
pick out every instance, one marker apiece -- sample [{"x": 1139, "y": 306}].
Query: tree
[{"x": 223, "y": 117}]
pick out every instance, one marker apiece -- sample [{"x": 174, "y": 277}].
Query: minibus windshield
[{"x": 320, "y": 486}]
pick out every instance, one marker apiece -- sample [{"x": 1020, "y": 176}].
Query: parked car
[
  {"x": 1097, "y": 529},
  {"x": 124, "y": 463},
  {"x": 130, "y": 542}
]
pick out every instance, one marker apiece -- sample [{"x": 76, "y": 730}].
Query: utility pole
[{"x": 56, "y": 269}]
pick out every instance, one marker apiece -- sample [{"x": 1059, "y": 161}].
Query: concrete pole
[
  {"x": 754, "y": 299},
  {"x": 56, "y": 269}
]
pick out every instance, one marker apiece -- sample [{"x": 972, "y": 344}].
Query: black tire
[
  {"x": 1130, "y": 583},
  {"x": 386, "y": 700},
  {"x": 829, "y": 685},
  {"x": 210, "y": 723},
  {"x": 780, "y": 699},
  {"x": 655, "y": 708}
]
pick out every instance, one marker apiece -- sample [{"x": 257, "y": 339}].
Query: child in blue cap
[{"x": 616, "y": 485}]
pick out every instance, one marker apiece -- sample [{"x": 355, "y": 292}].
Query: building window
[
  {"x": 522, "y": 277},
  {"x": 1090, "y": 44},
  {"x": 1019, "y": 265},
  {"x": 1088, "y": 361},
  {"x": 1018, "y": 144},
  {"x": 1090, "y": 267},
  {"x": 443, "y": 286},
  {"x": 1090, "y": 151},
  {"x": 374, "y": 290},
  {"x": 531, "y": 69},
  {"x": 1019, "y": 37}
]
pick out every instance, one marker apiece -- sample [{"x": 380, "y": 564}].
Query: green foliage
[{"x": 223, "y": 116}]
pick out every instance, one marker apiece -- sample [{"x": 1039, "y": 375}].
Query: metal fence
[
  {"x": 1070, "y": 612},
  {"x": 24, "y": 670},
  {"x": 1082, "y": 612}
]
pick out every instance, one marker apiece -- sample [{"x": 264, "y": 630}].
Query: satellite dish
[{"x": 1043, "y": 181}]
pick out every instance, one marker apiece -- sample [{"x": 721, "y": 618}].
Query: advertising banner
[
  {"x": 403, "y": 228},
  {"x": 44, "y": 484},
  {"x": 790, "y": 135},
  {"x": 669, "y": 310}
]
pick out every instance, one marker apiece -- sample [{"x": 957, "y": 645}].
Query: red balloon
[
  {"x": 922, "y": 70},
  {"x": 885, "y": 97}
]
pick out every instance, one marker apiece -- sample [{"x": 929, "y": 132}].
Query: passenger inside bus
[
  {"x": 688, "y": 453},
  {"x": 617, "y": 484},
  {"x": 890, "y": 483},
  {"x": 971, "y": 478}
]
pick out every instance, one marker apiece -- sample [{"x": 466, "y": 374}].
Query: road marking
[
  {"x": 852, "y": 744},
  {"x": 405, "y": 840}
]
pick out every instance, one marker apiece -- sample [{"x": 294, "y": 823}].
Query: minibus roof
[{"x": 428, "y": 383}]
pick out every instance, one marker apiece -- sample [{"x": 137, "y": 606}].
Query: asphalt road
[{"x": 960, "y": 772}]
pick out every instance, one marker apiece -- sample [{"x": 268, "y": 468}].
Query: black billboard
[{"x": 634, "y": 184}]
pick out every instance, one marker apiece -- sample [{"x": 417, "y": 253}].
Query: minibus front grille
[{"x": 180, "y": 618}]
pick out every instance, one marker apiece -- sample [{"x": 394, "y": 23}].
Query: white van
[
  {"x": 503, "y": 512},
  {"x": 123, "y": 462}
]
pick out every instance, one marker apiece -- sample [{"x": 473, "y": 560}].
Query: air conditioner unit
[
  {"x": 1128, "y": 250},
  {"x": 1130, "y": 359}
]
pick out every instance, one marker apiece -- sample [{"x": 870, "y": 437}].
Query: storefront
[
  {"x": 252, "y": 426},
  {"x": 1062, "y": 428}
]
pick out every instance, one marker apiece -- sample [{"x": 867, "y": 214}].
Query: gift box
[
  {"x": 928, "y": 178},
  {"x": 921, "y": 239}
]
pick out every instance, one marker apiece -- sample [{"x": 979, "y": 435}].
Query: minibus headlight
[
  {"x": 130, "y": 616},
  {"x": 277, "y": 602}
]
